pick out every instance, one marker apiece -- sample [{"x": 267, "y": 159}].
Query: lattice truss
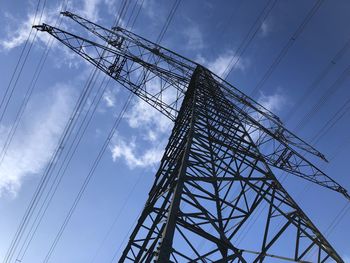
[{"x": 217, "y": 173}]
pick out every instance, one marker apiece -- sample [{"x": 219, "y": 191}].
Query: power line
[
  {"x": 132, "y": 12},
  {"x": 137, "y": 14},
  {"x": 116, "y": 218},
  {"x": 249, "y": 38},
  {"x": 64, "y": 164},
  {"x": 31, "y": 87},
  {"x": 318, "y": 80},
  {"x": 55, "y": 156},
  {"x": 44, "y": 180},
  {"x": 20, "y": 57},
  {"x": 89, "y": 176},
  {"x": 168, "y": 21},
  {"x": 288, "y": 45},
  {"x": 337, "y": 116},
  {"x": 9, "y": 91},
  {"x": 325, "y": 97}
]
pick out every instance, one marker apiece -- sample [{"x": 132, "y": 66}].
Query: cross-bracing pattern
[
  {"x": 155, "y": 74},
  {"x": 212, "y": 178},
  {"x": 160, "y": 77},
  {"x": 217, "y": 172}
]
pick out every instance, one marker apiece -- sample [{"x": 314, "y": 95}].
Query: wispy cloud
[
  {"x": 149, "y": 7},
  {"x": 17, "y": 30},
  {"x": 144, "y": 116},
  {"x": 90, "y": 9},
  {"x": 194, "y": 37},
  {"x": 151, "y": 126},
  {"x": 110, "y": 97},
  {"x": 273, "y": 102},
  {"x": 128, "y": 151},
  {"x": 223, "y": 63},
  {"x": 152, "y": 129},
  {"x": 36, "y": 138},
  {"x": 265, "y": 28}
]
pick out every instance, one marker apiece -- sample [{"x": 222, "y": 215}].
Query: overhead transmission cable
[
  {"x": 43, "y": 182},
  {"x": 252, "y": 32},
  {"x": 288, "y": 45},
  {"x": 86, "y": 181},
  {"x": 341, "y": 213},
  {"x": 45, "y": 178},
  {"x": 70, "y": 126},
  {"x": 84, "y": 93},
  {"x": 20, "y": 65},
  {"x": 81, "y": 130},
  {"x": 88, "y": 178},
  {"x": 312, "y": 87},
  {"x": 132, "y": 12},
  {"x": 168, "y": 20},
  {"x": 325, "y": 97},
  {"x": 336, "y": 117},
  {"x": 65, "y": 163},
  {"x": 31, "y": 87}
]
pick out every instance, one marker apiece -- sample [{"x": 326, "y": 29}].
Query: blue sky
[{"x": 210, "y": 32}]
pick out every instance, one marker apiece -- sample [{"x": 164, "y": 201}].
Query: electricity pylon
[{"x": 217, "y": 175}]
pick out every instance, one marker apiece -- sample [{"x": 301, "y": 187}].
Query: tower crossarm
[
  {"x": 178, "y": 62},
  {"x": 148, "y": 51},
  {"x": 143, "y": 74},
  {"x": 277, "y": 152},
  {"x": 160, "y": 77},
  {"x": 265, "y": 117},
  {"x": 271, "y": 138}
]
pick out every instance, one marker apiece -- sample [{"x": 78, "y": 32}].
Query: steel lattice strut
[{"x": 219, "y": 164}]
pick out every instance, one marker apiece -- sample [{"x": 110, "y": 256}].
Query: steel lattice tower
[{"x": 219, "y": 166}]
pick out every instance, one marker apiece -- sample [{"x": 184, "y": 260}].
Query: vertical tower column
[{"x": 211, "y": 180}]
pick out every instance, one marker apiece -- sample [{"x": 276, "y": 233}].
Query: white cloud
[
  {"x": 194, "y": 38},
  {"x": 18, "y": 32},
  {"x": 90, "y": 9},
  {"x": 265, "y": 29},
  {"x": 127, "y": 151},
  {"x": 222, "y": 64},
  {"x": 149, "y": 6},
  {"x": 273, "y": 102},
  {"x": 346, "y": 259},
  {"x": 110, "y": 97},
  {"x": 36, "y": 138},
  {"x": 142, "y": 115},
  {"x": 18, "y": 29},
  {"x": 152, "y": 129}
]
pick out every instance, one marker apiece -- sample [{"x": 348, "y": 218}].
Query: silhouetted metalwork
[{"x": 218, "y": 169}]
